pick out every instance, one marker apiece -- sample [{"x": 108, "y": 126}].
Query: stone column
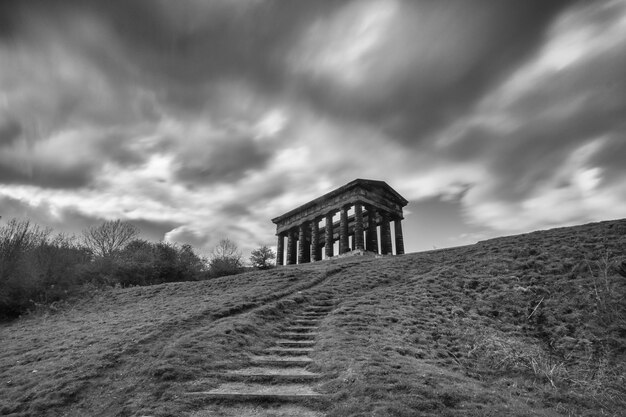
[
  {"x": 385, "y": 235},
  {"x": 304, "y": 251},
  {"x": 329, "y": 235},
  {"x": 397, "y": 227},
  {"x": 343, "y": 230},
  {"x": 291, "y": 247},
  {"x": 372, "y": 236},
  {"x": 280, "y": 249},
  {"x": 358, "y": 226},
  {"x": 316, "y": 253}
]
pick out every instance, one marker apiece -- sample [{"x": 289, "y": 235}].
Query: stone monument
[{"x": 365, "y": 209}]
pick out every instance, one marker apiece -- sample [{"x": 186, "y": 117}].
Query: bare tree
[
  {"x": 109, "y": 237},
  {"x": 262, "y": 257},
  {"x": 225, "y": 259}
]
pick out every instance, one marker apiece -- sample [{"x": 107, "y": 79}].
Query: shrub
[
  {"x": 262, "y": 257},
  {"x": 35, "y": 268},
  {"x": 146, "y": 263},
  {"x": 38, "y": 269}
]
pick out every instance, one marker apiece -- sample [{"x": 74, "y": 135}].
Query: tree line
[{"x": 40, "y": 269}]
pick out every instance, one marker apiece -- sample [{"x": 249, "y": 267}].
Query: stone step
[
  {"x": 306, "y": 321},
  {"x": 297, "y": 336},
  {"x": 240, "y": 391},
  {"x": 275, "y": 360},
  {"x": 305, "y": 324},
  {"x": 289, "y": 351},
  {"x": 317, "y": 309},
  {"x": 274, "y": 375},
  {"x": 295, "y": 343},
  {"x": 300, "y": 329},
  {"x": 301, "y": 326},
  {"x": 311, "y": 316},
  {"x": 253, "y": 410}
]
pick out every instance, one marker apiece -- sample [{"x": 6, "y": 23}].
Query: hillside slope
[{"x": 523, "y": 325}]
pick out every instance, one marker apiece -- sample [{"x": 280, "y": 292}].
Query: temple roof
[{"x": 359, "y": 182}]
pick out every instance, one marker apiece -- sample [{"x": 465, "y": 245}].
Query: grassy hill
[{"x": 533, "y": 324}]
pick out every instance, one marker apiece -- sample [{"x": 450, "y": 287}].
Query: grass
[
  {"x": 510, "y": 326},
  {"x": 119, "y": 350},
  {"x": 523, "y": 325}
]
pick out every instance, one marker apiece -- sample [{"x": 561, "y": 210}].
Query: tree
[
  {"x": 192, "y": 265},
  {"x": 262, "y": 257},
  {"x": 225, "y": 259},
  {"x": 109, "y": 237}
]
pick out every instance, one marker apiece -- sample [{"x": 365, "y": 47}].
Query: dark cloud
[
  {"x": 250, "y": 200},
  {"x": 68, "y": 160},
  {"x": 452, "y": 53},
  {"x": 10, "y": 130},
  {"x": 236, "y": 210},
  {"x": 117, "y": 147},
  {"x": 611, "y": 157},
  {"x": 164, "y": 93},
  {"x": 9, "y": 19},
  {"x": 458, "y": 50},
  {"x": 45, "y": 173},
  {"x": 121, "y": 64},
  {"x": 222, "y": 160},
  {"x": 214, "y": 39},
  {"x": 556, "y": 116},
  {"x": 67, "y": 220}
]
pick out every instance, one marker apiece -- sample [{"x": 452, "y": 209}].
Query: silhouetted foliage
[
  {"x": 225, "y": 259},
  {"x": 38, "y": 269},
  {"x": 263, "y": 257},
  {"x": 147, "y": 263}
]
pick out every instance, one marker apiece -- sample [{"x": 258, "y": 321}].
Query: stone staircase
[{"x": 277, "y": 377}]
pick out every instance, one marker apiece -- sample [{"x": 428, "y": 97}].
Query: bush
[
  {"x": 146, "y": 263},
  {"x": 36, "y": 268}
]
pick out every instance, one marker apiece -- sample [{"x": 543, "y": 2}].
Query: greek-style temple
[{"x": 365, "y": 210}]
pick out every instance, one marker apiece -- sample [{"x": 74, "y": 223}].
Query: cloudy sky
[{"x": 203, "y": 119}]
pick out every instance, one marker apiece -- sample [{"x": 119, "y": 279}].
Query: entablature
[{"x": 369, "y": 193}]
